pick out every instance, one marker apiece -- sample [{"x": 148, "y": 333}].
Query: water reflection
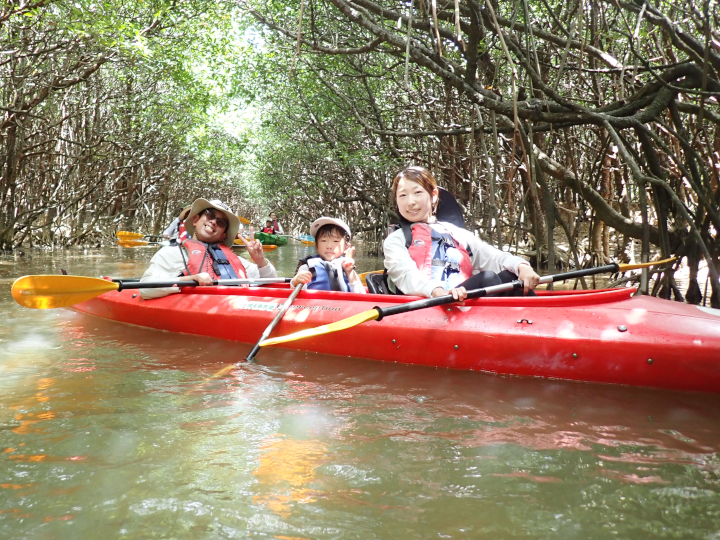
[{"x": 117, "y": 431}]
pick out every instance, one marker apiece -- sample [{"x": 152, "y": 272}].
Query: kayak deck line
[
  {"x": 544, "y": 298},
  {"x": 606, "y": 336}
]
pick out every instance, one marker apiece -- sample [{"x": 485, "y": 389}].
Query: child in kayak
[
  {"x": 268, "y": 228},
  {"x": 427, "y": 257},
  {"x": 333, "y": 268}
]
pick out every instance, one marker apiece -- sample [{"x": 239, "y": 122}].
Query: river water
[{"x": 113, "y": 431}]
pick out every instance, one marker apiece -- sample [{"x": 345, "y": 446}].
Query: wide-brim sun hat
[
  {"x": 185, "y": 211},
  {"x": 327, "y": 221},
  {"x": 203, "y": 204}
]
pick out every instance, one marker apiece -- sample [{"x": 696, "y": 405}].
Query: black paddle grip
[
  {"x": 445, "y": 299},
  {"x": 614, "y": 267},
  {"x": 155, "y": 284}
]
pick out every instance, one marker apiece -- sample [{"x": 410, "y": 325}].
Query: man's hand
[
  {"x": 254, "y": 248},
  {"x": 528, "y": 276}
]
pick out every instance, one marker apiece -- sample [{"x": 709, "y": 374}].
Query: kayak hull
[
  {"x": 605, "y": 336},
  {"x": 271, "y": 239}
]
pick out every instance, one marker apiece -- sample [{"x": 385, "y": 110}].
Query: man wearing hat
[
  {"x": 333, "y": 268},
  {"x": 206, "y": 255}
]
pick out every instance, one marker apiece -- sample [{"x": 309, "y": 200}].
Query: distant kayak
[
  {"x": 271, "y": 239},
  {"x": 306, "y": 239}
]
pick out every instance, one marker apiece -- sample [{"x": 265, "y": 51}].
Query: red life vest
[
  {"x": 199, "y": 260},
  {"x": 268, "y": 230},
  {"x": 452, "y": 268}
]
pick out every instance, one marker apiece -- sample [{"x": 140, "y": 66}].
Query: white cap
[{"x": 328, "y": 220}]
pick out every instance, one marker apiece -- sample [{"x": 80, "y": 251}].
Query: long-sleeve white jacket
[
  {"x": 167, "y": 263},
  {"x": 404, "y": 273}
]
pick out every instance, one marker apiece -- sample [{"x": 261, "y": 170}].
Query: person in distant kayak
[
  {"x": 172, "y": 230},
  {"x": 268, "y": 228},
  {"x": 276, "y": 224},
  {"x": 427, "y": 257},
  {"x": 203, "y": 251},
  {"x": 333, "y": 268}
]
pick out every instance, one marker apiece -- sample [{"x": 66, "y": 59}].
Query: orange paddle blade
[
  {"x": 243, "y": 220},
  {"x": 625, "y": 267},
  {"x": 132, "y": 243},
  {"x": 46, "y": 292},
  {"x": 126, "y": 235}
]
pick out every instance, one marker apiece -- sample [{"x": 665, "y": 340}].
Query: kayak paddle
[
  {"x": 286, "y": 305},
  {"x": 52, "y": 291},
  {"x": 378, "y": 313},
  {"x": 140, "y": 243},
  {"x": 240, "y": 244},
  {"x": 124, "y": 236}
]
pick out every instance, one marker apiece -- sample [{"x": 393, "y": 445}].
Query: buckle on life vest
[{"x": 447, "y": 265}]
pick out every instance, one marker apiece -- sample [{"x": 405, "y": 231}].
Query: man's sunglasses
[{"x": 210, "y": 214}]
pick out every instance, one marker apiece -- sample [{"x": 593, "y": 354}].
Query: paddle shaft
[
  {"x": 478, "y": 293},
  {"x": 162, "y": 284},
  {"x": 286, "y": 305}
]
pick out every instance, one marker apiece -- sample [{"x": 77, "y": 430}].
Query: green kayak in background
[{"x": 271, "y": 239}]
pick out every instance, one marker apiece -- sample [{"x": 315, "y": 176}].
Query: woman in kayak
[
  {"x": 333, "y": 268},
  {"x": 427, "y": 257}
]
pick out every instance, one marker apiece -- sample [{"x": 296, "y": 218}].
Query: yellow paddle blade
[
  {"x": 269, "y": 248},
  {"x": 47, "y": 292},
  {"x": 326, "y": 328},
  {"x": 364, "y": 275},
  {"x": 246, "y": 221},
  {"x": 126, "y": 235},
  {"x": 131, "y": 243},
  {"x": 626, "y": 267},
  {"x": 307, "y": 242}
]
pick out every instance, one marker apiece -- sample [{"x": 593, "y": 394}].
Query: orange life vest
[
  {"x": 200, "y": 260},
  {"x": 439, "y": 256}
]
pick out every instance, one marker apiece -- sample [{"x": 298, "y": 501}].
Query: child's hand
[
  {"x": 302, "y": 277},
  {"x": 348, "y": 263}
]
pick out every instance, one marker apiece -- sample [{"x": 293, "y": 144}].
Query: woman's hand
[
  {"x": 301, "y": 277},
  {"x": 458, "y": 293},
  {"x": 528, "y": 276},
  {"x": 254, "y": 248},
  {"x": 203, "y": 279}
]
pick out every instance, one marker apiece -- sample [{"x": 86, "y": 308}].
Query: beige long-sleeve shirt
[{"x": 167, "y": 263}]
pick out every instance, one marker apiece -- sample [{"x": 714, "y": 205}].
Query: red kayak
[{"x": 606, "y": 336}]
